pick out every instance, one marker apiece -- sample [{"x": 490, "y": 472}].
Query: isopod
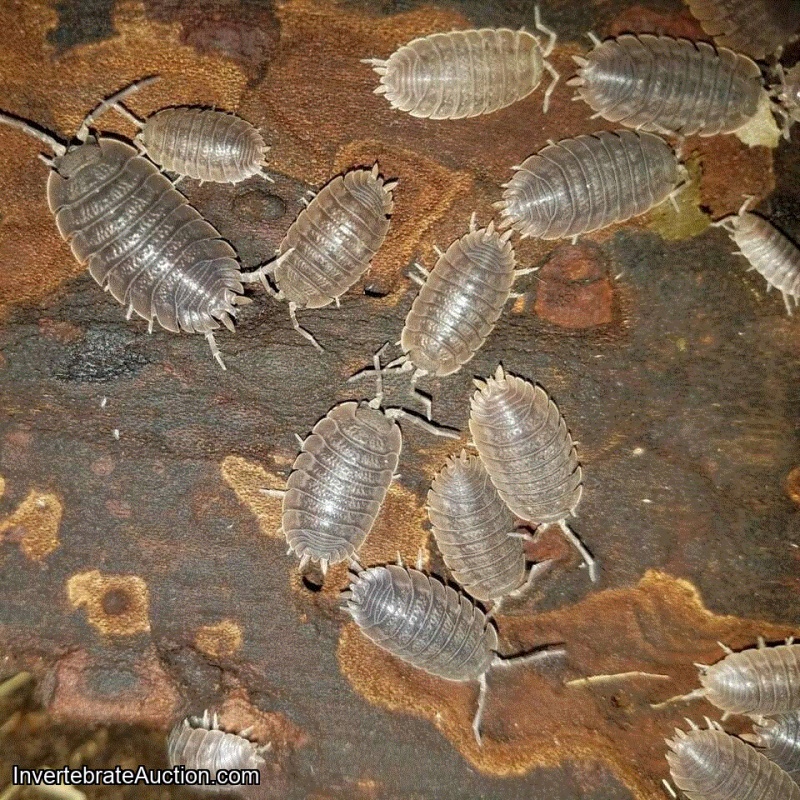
[
  {"x": 139, "y": 237},
  {"x": 523, "y": 442},
  {"x": 787, "y": 97},
  {"x": 465, "y": 73},
  {"x": 331, "y": 243},
  {"x": 769, "y": 252},
  {"x": 666, "y": 85},
  {"x": 589, "y": 182},
  {"x": 430, "y": 626},
  {"x": 711, "y": 765},
  {"x": 198, "y": 743},
  {"x": 474, "y": 530},
  {"x": 757, "y": 28},
  {"x": 779, "y": 738}
]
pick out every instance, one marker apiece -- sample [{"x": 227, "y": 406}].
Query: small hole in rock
[
  {"x": 310, "y": 582},
  {"x": 115, "y": 601},
  {"x": 374, "y": 291}
]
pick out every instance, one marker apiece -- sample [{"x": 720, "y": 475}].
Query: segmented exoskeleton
[{"x": 779, "y": 740}]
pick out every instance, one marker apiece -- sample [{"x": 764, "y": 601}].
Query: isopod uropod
[
  {"x": 582, "y": 184},
  {"x": 666, "y": 85},
  {"x": 465, "y": 73},
  {"x": 523, "y": 442},
  {"x": 200, "y": 744},
  {"x": 769, "y": 252},
  {"x": 430, "y": 626},
  {"x": 139, "y": 237},
  {"x": 331, "y": 243},
  {"x": 779, "y": 738},
  {"x": 711, "y": 765}
]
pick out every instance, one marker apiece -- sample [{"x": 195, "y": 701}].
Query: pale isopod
[
  {"x": 589, "y": 182},
  {"x": 779, "y": 738},
  {"x": 787, "y": 97},
  {"x": 430, "y": 626},
  {"x": 769, "y": 252},
  {"x": 666, "y": 85},
  {"x": 465, "y": 73},
  {"x": 139, "y": 237},
  {"x": 711, "y": 765},
  {"x": 523, "y": 442},
  {"x": 757, "y": 28},
  {"x": 331, "y": 244},
  {"x": 198, "y": 743}
]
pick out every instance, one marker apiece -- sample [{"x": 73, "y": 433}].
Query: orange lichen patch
[
  {"x": 220, "y": 640},
  {"x": 425, "y": 193},
  {"x": 2, "y": 485},
  {"x": 247, "y": 478},
  {"x": 792, "y": 485},
  {"x": 67, "y": 87},
  {"x": 116, "y": 605},
  {"x": 658, "y": 627},
  {"x": 34, "y": 524},
  {"x": 237, "y": 713}
]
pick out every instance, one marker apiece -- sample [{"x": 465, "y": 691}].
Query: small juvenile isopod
[
  {"x": 711, "y": 765},
  {"x": 430, "y": 626},
  {"x": 757, "y": 28},
  {"x": 769, "y": 252},
  {"x": 465, "y": 73},
  {"x": 139, "y": 237},
  {"x": 523, "y": 442},
  {"x": 474, "y": 530},
  {"x": 589, "y": 182},
  {"x": 666, "y": 85},
  {"x": 779, "y": 740},
  {"x": 787, "y": 97},
  {"x": 198, "y": 743},
  {"x": 331, "y": 243}
]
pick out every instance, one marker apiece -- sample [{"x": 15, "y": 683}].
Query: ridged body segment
[
  {"x": 471, "y": 525},
  {"x": 757, "y": 28},
  {"x": 463, "y": 73},
  {"x": 204, "y": 144},
  {"x": 141, "y": 239},
  {"x": 711, "y": 765},
  {"x": 459, "y": 303},
  {"x": 334, "y": 239},
  {"x": 523, "y": 442},
  {"x": 339, "y": 481},
  {"x": 763, "y": 681},
  {"x": 661, "y": 84},
  {"x": 423, "y": 622},
  {"x": 582, "y": 184},
  {"x": 779, "y": 739}
]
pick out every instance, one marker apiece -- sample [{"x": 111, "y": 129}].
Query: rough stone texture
[{"x": 143, "y": 573}]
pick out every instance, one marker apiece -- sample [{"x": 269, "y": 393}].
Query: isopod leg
[
  {"x": 535, "y": 571},
  {"x": 301, "y": 330},
  {"x": 273, "y": 492},
  {"x": 436, "y": 430},
  {"x": 552, "y": 70},
  {"x": 476, "y": 720},
  {"x": 573, "y": 539},
  {"x": 540, "y": 654},
  {"x": 424, "y": 398},
  {"x": 544, "y": 29},
  {"x": 111, "y": 102},
  {"x": 215, "y": 350},
  {"x": 21, "y": 125}
]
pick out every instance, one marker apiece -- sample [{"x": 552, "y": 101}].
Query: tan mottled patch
[
  {"x": 532, "y": 720},
  {"x": 220, "y": 640},
  {"x": 116, "y": 605},
  {"x": 34, "y": 524},
  {"x": 267, "y": 727},
  {"x": 247, "y": 478},
  {"x": 688, "y": 220},
  {"x": 2, "y": 485}
]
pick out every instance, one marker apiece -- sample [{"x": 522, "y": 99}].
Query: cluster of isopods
[{"x": 144, "y": 243}]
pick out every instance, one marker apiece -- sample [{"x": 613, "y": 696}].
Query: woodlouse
[
  {"x": 331, "y": 243},
  {"x": 666, "y": 85},
  {"x": 711, "y": 765},
  {"x": 465, "y": 73},
  {"x": 787, "y": 97},
  {"x": 779, "y": 740},
  {"x": 139, "y": 237},
  {"x": 198, "y": 743},
  {"x": 430, "y": 626},
  {"x": 523, "y": 442},
  {"x": 589, "y": 182},
  {"x": 769, "y": 252},
  {"x": 474, "y": 530},
  {"x": 757, "y": 28}
]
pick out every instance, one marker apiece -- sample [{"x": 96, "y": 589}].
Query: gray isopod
[
  {"x": 139, "y": 237},
  {"x": 779, "y": 740},
  {"x": 474, "y": 530},
  {"x": 331, "y": 243},
  {"x": 198, "y": 743},
  {"x": 757, "y": 28},
  {"x": 523, "y": 442},
  {"x": 430, "y": 626},
  {"x": 465, "y": 73},
  {"x": 711, "y": 765},
  {"x": 769, "y": 252},
  {"x": 582, "y": 184},
  {"x": 786, "y": 97},
  {"x": 666, "y": 85}
]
